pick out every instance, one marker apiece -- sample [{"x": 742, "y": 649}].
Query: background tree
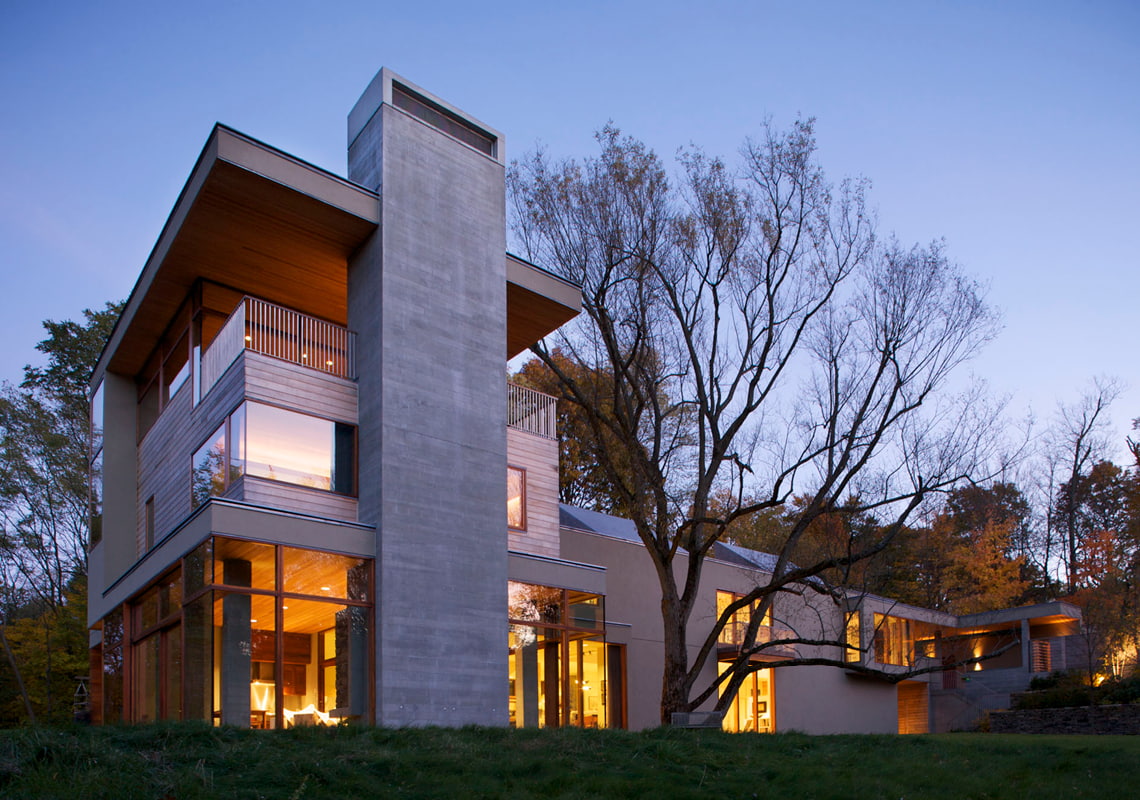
[
  {"x": 756, "y": 344},
  {"x": 44, "y": 515},
  {"x": 582, "y": 481},
  {"x": 1077, "y": 439}
]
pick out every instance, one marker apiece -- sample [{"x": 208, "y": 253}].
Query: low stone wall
[{"x": 1089, "y": 719}]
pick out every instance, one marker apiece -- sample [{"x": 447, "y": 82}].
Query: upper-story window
[
  {"x": 901, "y": 641},
  {"x": 736, "y": 629},
  {"x": 264, "y": 441},
  {"x": 516, "y": 498}
]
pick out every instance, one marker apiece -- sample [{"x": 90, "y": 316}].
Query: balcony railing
[
  {"x": 531, "y": 411},
  {"x": 734, "y": 633},
  {"x": 282, "y": 333}
]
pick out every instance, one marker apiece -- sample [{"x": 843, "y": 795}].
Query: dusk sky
[{"x": 1011, "y": 129}]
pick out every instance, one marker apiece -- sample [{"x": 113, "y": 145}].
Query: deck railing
[
  {"x": 532, "y": 411},
  {"x": 733, "y": 635},
  {"x": 282, "y": 333}
]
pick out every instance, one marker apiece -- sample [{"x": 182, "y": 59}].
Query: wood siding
[
  {"x": 275, "y": 494},
  {"x": 539, "y": 457},
  {"x": 165, "y": 453},
  {"x": 914, "y": 707}
]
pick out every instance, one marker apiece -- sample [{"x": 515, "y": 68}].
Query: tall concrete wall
[{"x": 427, "y": 298}]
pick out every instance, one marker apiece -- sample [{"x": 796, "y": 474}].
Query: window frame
[{"x": 522, "y": 498}]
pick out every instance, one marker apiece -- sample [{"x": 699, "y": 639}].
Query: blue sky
[{"x": 1012, "y": 129}]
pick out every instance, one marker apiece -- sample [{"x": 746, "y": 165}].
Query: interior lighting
[
  {"x": 328, "y": 363},
  {"x": 326, "y": 588}
]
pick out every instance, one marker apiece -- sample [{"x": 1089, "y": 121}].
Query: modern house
[{"x": 316, "y": 500}]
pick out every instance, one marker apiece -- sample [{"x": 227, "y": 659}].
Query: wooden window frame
[{"x": 522, "y": 499}]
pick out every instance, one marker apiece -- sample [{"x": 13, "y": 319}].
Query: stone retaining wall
[{"x": 1089, "y": 719}]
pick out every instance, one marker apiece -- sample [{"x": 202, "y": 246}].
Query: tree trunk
[{"x": 674, "y": 692}]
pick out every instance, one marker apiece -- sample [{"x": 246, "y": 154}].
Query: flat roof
[{"x": 251, "y": 215}]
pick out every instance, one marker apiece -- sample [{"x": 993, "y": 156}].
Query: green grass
[{"x": 186, "y": 761}]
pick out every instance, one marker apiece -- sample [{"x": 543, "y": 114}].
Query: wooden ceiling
[
  {"x": 538, "y": 302},
  {"x": 256, "y": 219}
]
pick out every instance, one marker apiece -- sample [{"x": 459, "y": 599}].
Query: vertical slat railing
[
  {"x": 281, "y": 333},
  {"x": 532, "y": 411}
]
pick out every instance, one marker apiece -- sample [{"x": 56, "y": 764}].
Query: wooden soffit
[
  {"x": 538, "y": 303},
  {"x": 256, "y": 219}
]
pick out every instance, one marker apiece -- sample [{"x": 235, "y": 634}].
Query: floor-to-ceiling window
[
  {"x": 753, "y": 709},
  {"x": 253, "y": 634},
  {"x": 562, "y": 671}
]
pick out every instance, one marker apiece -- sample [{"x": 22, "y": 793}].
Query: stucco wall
[{"x": 814, "y": 699}]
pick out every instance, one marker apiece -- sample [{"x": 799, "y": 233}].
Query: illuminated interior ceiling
[{"x": 258, "y": 220}]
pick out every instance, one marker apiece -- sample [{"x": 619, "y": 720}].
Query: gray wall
[{"x": 427, "y": 298}]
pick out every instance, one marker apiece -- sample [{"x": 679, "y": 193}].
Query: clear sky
[{"x": 1012, "y": 129}]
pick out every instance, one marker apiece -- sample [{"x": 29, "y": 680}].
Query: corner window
[
  {"x": 296, "y": 448},
  {"x": 276, "y": 444},
  {"x": 516, "y": 499},
  {"x": 208, "y": 473}
]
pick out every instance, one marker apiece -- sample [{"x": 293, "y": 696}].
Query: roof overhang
[
  {"x": 251, "y": 215},
  {"x": 538, "y": 303}
]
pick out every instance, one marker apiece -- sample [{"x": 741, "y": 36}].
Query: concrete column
[
  {"x": 236, "y": 644},
  {"x": 427, "y": 299}
]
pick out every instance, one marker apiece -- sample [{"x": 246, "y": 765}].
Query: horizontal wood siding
[
  {"x": 165, "y": 453},
  {"x": 914, "y": 705},
  {"x": 539, "y": 457},
  {"x": 272, "y": 380},
  {"x": 276, "y": 494}
]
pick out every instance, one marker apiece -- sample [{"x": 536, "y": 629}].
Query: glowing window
[{"x": 516, "y": 498}]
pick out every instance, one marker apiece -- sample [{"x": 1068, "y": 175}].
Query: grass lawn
[{"x": 187, "y": 761}]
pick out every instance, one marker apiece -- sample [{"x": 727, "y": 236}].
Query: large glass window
[
  {"x": 208, "y": 472},
  {"x": 736, "y": 629},
  {"x": 561, "y": 671},
  {"x": 259, "y": 635},
  {"x": 753, "y": 709},
  {"x": 895, "y": 639},
  {"x": 274, "y": 443}
]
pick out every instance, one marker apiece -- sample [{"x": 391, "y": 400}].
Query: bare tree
[
  {"x": 750, "y": 340},
  {"x": 1078, "y": 438}
]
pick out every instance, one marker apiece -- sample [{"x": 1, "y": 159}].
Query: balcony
[
  {"x": 531, "y": 411},
  {"x": 281, "y": 333},
  {"x": 731, "y": 640}
]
